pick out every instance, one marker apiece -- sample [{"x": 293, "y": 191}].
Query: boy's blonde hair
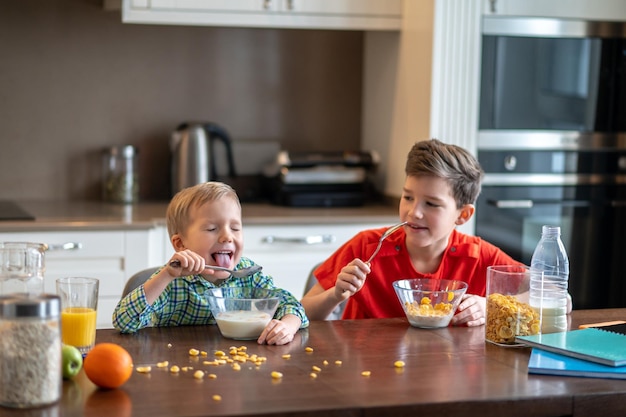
[
  {"x": 177, "y": 215},
  {"x": 449, "y": 162}
]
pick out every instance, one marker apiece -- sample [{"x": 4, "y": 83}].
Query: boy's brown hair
[
  {"x": 450, "y": 162},
  {"x": 177, "y": 215}
]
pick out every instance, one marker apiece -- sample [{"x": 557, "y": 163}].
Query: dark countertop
[{"x": 95, "y": 215}]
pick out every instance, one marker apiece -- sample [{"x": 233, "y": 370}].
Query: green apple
[{"x": 72, "y": 361}]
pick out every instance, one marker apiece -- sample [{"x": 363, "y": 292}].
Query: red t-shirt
[{"x": 466, "y": 258}]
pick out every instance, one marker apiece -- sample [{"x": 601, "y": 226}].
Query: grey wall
[{"x": 74, "y": 80}]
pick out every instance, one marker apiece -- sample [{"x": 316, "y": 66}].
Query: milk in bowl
[{"x": 242, "y": 312}]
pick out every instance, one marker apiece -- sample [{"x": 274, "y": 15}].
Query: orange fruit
[{"x": 108, "y": 365}]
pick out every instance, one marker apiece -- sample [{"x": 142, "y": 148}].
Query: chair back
[
  {"x": 137, "y": 279},
  {"x": 310, "y": 282}
]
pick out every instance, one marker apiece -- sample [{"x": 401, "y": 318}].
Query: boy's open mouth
[{"x": 222, "y": 258}]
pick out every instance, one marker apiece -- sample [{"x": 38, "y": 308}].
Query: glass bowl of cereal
[
  {"x": 429, "y": 303},
  {"x": 242, "y": 313}
]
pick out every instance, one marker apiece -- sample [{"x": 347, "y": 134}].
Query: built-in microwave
[{"x": 552, "y": 83}]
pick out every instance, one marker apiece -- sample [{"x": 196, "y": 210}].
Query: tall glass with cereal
[{"x": 509, "y": 313}]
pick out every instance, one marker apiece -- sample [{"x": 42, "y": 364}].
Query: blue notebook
[
  {"x": 550, "y": 363},
  {"x": 592, "y": 344}
]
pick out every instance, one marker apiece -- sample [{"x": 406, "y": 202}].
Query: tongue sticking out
[{"x": 222, "y": 259}]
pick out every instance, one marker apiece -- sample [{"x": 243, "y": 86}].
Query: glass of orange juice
[{"x": 79, "y": 304}]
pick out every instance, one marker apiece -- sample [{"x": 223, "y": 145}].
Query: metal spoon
[
  {"x": 240, "y": 273},
  {"x": 383, "y": 237}
]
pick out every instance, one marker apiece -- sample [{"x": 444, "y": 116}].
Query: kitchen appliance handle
[
  {"x": 217, "y": 132},
  {"x": 514, "y": 204},
  {"x": 63, "y": 246},
  {"x": 306, "y": 240},
  {"x": 511, "y": 203}
]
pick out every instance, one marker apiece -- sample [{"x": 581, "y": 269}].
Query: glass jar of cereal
[
  {"x": 30, "y": 350},
  {"x": 509, "y": 313}
]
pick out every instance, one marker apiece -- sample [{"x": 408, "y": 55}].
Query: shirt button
[{"x": 453, "y": 249}]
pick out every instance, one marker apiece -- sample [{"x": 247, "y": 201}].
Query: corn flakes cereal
[
  {"x": 426, "y": 315},
  {"x": 507, "y": 318},
  {"x": 399, "y": 364},
  {"x": 425, "y": 308}
]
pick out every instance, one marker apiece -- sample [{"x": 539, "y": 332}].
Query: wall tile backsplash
[{"x": 74, "y": 80}]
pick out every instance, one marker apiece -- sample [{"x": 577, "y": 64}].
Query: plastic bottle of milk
[{"x": 548, "y": 295}]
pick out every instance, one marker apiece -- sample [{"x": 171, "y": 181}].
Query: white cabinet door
[
  {"x": 320, "y": 7},
  {"x": 217, "y": 6},
  {"x": 110, "y": 256},
  {"x": 288, "y": 253},
  {"x": 309, "y": 14},
  {"x": 373, "y": 8}
]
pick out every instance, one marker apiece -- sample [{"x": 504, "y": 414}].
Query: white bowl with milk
[{"x": 242, "y": 312}]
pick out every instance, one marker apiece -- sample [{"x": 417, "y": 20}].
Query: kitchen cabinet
[
  {"x": 291, "y": 14},
  {"x": 111, "y": 256},
  {"x": 111, "y": 243},
  {"x": 286, "y": 252}
]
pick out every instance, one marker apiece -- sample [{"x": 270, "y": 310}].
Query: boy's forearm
[
  {"x": 156, "y": 285},
  {"x": 319, "y": 306}
]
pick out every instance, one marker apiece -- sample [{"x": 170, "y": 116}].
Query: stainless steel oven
[
  {"x": 582, "y": 190},
  {"x": 552, "y": 141}
]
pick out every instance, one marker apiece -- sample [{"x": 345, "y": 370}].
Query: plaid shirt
[{"x": 183, "y": 303}]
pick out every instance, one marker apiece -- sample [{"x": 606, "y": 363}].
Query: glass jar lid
[{"x": 45, "y": 306}]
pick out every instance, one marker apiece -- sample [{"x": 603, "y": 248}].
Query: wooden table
[{"x": 448, "y": 372}]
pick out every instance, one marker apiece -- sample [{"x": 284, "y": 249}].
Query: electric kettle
[{"x": 193, "y": 155}]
